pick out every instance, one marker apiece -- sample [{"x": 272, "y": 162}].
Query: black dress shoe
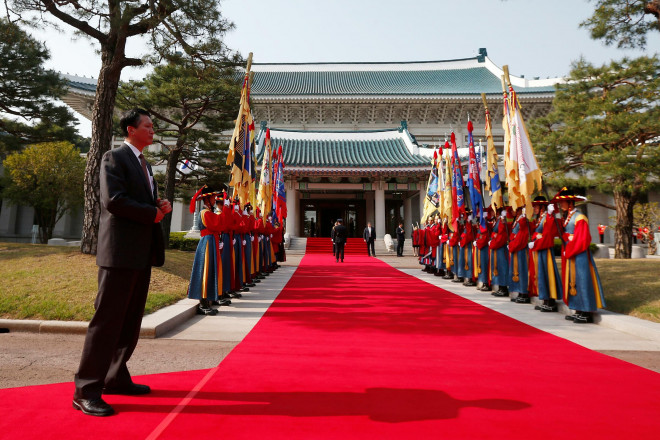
[
  {"x": 469, "y": 284},
  {"x": 250, "y": 285},
  {"x": 134, "y": 389},
  {"x": 93, "y": 407}
]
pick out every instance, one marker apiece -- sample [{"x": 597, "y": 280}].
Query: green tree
[
  {"x": 49, "y": 178},
  {"x": 624, "y": 22},
  {"x": 191, "y": 104},
  {"x": 194, "y": 27},
  {"x": 28, "y": 112},
  {"x": 605, "y": 127}
]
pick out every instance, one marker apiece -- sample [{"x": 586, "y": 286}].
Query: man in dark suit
[
  {"x": 400, "y": 238},
  {"x": 130, "y": 241},
  {"x": 369, "y": 236},
  {"x": 340, "y": 239}
]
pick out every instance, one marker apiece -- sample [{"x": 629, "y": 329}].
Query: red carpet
[
  {"x": 360, "y": 350},
  {"x": 323, "y": 245}
]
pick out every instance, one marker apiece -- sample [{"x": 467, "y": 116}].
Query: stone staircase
[{"x": 299, "y": 244}]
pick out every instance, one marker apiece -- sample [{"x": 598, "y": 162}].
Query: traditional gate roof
[
  {"x": 347, "y": 152},
  {"x": 467, "y": 76}
]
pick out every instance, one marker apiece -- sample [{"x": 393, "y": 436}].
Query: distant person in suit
[
  {"x": 130, "y": 242},
  {"x": 340, "y": 233},
  {"x": 369, "y": 236},
  {"x": 400, "y": 238}
]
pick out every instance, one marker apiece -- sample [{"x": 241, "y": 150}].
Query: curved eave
[
  {"x": 367, "y": 171},
  {"x": 529, "y": 96}
]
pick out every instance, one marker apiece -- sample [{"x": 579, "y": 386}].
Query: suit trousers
[
  {"x": 339, "y": 251},
  {"x": 113, "y": 331},
  {"x": 370, "y": 248},
  {"x": 399, "y": 247}
]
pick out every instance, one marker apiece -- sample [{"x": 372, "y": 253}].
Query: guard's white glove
[
  {"x": 524, "y": 212},
  {"x": 221, "y": 245},
  {"x": 570, "y": 238},
  {"x": 271, "y": 235},
  {"x": 251, "y": 238},
  {"x": 244, "y": 243},
  {"x": 530, "y": 244},
  {"x": 503, "y": 213},
  {"x": 470, "y": 217},
  {"x": 507, "y": 247},
  {"x": 259, "y": 239},
  {"x": 558, "y": 215},
  {"x": 489, "y": 242},
  {"x": 233, "y": 241},
  {"x": 551, "y": 209},
  {"x": 474, "y": 243}
]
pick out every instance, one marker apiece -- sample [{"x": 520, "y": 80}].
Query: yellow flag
[
  {"x": 528, "y": 171},
  {"x": 265, "y": 197},
  {"x": 510, "y": 158}
]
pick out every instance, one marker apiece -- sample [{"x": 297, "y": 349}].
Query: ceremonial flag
[
  {"x": 493, "y": 184},
  {"x": 474, "y": 181},
  {"x": 447, "y": 199},
  {"x": 510, "y": 157},
  {"x": 240, "y": 144},
  {"x": 265, "y": 198},
  {"x": 457, "y": 193},
  {"x": 528, "y": 171},
  {"x": 431, "y": 199},
  {"x": 280, "y": 207}
]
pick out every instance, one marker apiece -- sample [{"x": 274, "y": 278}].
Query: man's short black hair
[{"x": 131, "y": 118}]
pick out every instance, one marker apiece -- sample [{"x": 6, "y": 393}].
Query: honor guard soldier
[
  {"x": 499, "y": 255},
  {"x": 518, "y": 263},
  {"x": 583, "y": 291},
  {"x": 548, "y": 279},
  {"x": 481, "y": 253}
]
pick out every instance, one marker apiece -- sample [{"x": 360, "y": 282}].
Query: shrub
[
  {"x": 180, "y": 242},
  {"x": 592, "y": 247}
]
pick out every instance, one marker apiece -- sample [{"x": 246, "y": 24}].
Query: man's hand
[
  {"x": 164, "y": 205},
  {"x": 159, "y": 215}
]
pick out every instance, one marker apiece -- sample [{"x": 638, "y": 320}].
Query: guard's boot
[
  {"x": 204, "y": 308},
  {"x": 449, "y": 275},
  {"x": 457, "y": 280},
  {"x": 523, "y": 298}
]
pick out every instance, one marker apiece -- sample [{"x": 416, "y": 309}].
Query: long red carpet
[{"x": 360, "y": 350}]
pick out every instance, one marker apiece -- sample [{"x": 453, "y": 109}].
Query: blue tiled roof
[
  {"x": 366, "y": 152},
  {"x": 401, "y": 82}
]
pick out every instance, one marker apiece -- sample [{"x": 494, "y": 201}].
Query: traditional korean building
[{"x": 357, "y": 137}]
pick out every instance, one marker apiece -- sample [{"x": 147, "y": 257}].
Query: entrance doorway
[{"x": 319, "y": 216}]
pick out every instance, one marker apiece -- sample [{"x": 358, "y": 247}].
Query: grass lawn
[
  {"x": 60, "y": 283},
  {"x": 632, "y": 287}
]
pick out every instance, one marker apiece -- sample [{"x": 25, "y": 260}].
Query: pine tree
[
  {"x": 605, "y": 128},
  {"x": 28, "y": 92}
]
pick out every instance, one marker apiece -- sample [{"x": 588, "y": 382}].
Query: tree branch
[
  {"x": 604, "y": 205},
  {"x": 82, "y": 26}
]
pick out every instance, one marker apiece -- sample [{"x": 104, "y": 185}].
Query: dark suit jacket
[
  {"x": 128, "y": 236},
  {"x": 366, "y": 235},
  {"x": 340, "y": 234}
]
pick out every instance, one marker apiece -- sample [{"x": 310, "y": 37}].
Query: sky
[{"x": 536, "y": 38}]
